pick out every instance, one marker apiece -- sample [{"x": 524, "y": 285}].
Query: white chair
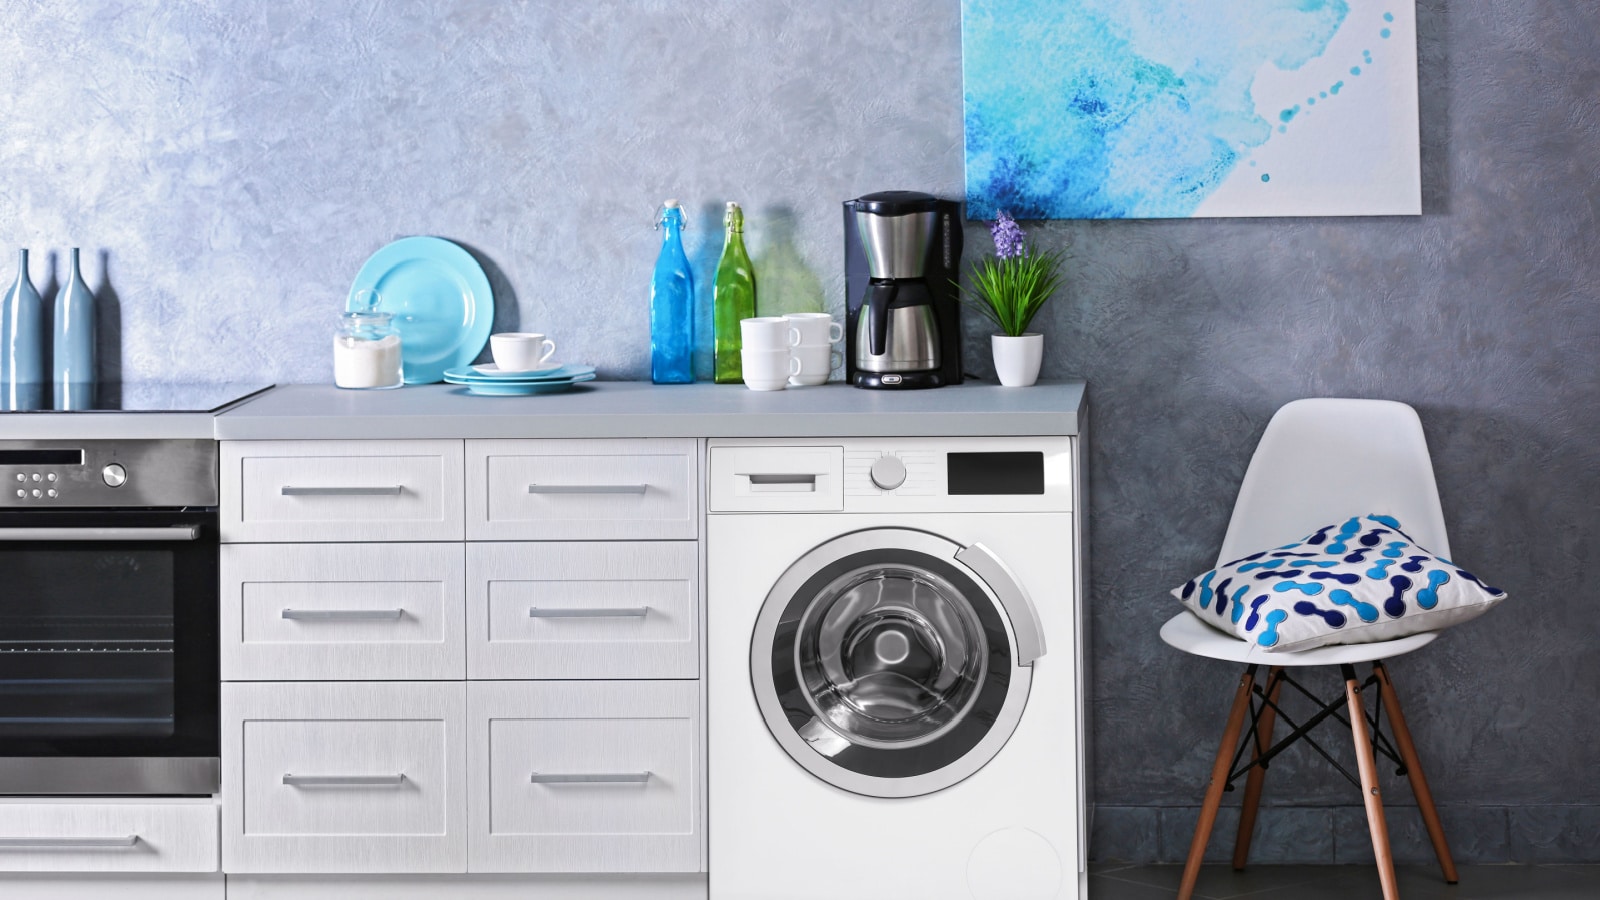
[{"x": 1321, "y": 461}]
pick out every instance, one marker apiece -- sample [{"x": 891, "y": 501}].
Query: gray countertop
[{"x": 604, "y": 409}]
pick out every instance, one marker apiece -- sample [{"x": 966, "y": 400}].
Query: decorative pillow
[{"x": 1364, "y": 580}]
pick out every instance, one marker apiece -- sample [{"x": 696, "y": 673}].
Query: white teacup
[
  {"x": 815, "y": 328},
  {"x": 816, "y": 364},
  {"x": 768, "y": 370},
  {"x": 768, "y": 333},
  {"x": 521, "y": 351}
]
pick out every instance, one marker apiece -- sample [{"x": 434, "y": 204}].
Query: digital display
[
  {"x": 41, "y": 457},
  {"x": 996, "y": 473}
]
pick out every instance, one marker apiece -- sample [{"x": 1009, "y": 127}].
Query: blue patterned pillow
[{"x": 1363, "y": 580}]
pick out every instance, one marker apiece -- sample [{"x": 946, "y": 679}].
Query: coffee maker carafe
[{"x": 902, "y": 249}]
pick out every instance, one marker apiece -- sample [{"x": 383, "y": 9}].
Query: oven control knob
[
  {"x": 114, "y": 475},
  {"x": 888, "y": 472}
]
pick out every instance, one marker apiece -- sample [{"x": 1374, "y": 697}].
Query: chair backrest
[{"x": 1325, "y": 459}]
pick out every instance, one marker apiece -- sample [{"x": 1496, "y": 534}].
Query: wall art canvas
[{"x": 1136, "y": 109}]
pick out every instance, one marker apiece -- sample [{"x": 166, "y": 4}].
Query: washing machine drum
[{"x": 883, "y": 663}]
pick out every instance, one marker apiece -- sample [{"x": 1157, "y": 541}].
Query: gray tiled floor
[{"x": 1111, "y": 882}]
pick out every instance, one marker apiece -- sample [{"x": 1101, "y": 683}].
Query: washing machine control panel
[
  {"x": 893, "y": 475},
  {"x": 908, "y": 473},
  {"x": 888, "y": 472}
]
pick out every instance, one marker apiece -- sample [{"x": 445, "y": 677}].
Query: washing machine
[{"x": 894, "y": 669}]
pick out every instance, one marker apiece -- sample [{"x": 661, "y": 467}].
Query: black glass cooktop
[{"x": 163, "y": 397}]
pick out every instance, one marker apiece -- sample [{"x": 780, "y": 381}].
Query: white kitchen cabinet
[
  {"x": 341, "y": 491},
  {"x": 344, "y": 777},
  {"x": 595, "y": 609},
  {"x": 658, "y": 886},
  {"x": 540, "y": 490},
  {"x": 343, "y": 612},
  {"x": 108, "y": 836},
  {"x": 585, "y": 777},
  {"x": 565, "y": 574},
  {"x": 114, "y": 886}
]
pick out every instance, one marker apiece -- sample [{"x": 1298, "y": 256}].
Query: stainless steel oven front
[{"x": 108, "y": 617}]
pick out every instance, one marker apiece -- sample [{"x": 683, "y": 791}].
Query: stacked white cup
[
  {"x": 767, "y": 342},
  {"x": 818, "y": 333}
]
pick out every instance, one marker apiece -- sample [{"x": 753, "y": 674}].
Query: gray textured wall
[{"x": 237, "y": 162}]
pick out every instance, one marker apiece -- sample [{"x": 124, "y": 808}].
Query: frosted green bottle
[{"x": 733, "y": 297}]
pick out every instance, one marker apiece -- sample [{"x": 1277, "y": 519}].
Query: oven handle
[{"x": 176, "y": 533}]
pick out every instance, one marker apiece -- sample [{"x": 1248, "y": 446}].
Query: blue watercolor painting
[{"x": 1132, "y": 109}]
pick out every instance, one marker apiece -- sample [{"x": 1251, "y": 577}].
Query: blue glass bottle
[
  {"x": 73, "y": 356},
  {"x": 672, "y": 305},
  {"x": 22, "y": 375}
]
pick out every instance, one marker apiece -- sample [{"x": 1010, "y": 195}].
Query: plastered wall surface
[{"x": 228, "y": 166}]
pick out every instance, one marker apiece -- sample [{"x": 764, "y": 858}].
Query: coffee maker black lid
[{"x": 896, "y": 203}]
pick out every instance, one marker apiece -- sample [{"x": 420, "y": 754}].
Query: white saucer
[{"x": 492, "y": 369}]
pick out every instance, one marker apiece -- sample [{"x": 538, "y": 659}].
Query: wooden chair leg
[
  {"x": 1219, "y": 779},
  {"x": 1419, "y": 783},
  {"x": 1370, "y": 795},
  {"x": 1252, "y": 785}
]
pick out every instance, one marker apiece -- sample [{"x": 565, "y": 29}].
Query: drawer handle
[
  {"x": 345, "y": 780},
  {"x": 587, "y": 488},
  {"x": 343, "y": 615},
  {"x": 593, "y": 778},
  {"x": 392, "y": 490},
  {"x": 616, "y": 612},
  {"x": 68, "y": 843}
]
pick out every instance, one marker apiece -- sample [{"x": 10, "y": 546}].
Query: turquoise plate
[
  {"x": 466, "y": 374},
  {"x": 504, "y": 389},
  {"x": 441, "y": 301}
]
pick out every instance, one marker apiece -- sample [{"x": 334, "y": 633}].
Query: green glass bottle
[{"x": 733, "y": 297}]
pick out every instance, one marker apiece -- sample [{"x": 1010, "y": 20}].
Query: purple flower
[{"x": 1009, "y": 238}]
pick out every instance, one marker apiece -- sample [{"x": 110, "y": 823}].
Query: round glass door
[{"x": 884, "y": 666}]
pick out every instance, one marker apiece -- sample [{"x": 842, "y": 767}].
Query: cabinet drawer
[
  {"x": 583, "y": 490},
  {"x": 327, "y": 612},
  {"x": 300, "y": 491},
  {"x": 352, "y": 777},
  {"x": 586, "y": 777},
  {"x": 597, "y": 609},
  {"x": 108, "y": 837}
]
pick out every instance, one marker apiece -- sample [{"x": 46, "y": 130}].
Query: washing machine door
[{"x": 892, "y": 662}]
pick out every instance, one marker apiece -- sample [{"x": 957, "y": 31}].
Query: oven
[{"x": 109, "y": 602}]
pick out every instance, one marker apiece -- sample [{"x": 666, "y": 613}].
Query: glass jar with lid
[{"x": 366, "y": 347}]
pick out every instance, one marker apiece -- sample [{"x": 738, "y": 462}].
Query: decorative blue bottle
[
  {"x": 73, "y": 356},
  {"x": 672, "y": 305},
  {"x": 22, "y": 375}
]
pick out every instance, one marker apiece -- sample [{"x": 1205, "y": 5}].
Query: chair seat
[{"x": 1186, "y": 632}]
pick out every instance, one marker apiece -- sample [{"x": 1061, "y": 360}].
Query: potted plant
[{"x": 1008, "y": 289}]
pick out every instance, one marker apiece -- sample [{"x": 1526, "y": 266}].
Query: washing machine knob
[{"x": 888, "y": 472}]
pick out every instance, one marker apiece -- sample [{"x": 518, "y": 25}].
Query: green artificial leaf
[{"x": 1010, "y": 292}]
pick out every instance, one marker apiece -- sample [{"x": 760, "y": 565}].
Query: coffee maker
[{"x": 902, "y": 252}]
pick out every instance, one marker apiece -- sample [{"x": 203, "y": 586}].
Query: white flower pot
[{"x": 1016, "y": 359}]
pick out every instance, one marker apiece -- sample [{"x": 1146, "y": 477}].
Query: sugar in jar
[{"x": 366, "y": 348}]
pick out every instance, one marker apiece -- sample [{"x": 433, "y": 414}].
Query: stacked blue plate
[{"x": 493, "y": 382}]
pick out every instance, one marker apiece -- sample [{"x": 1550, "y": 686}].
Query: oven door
[{"x": 108, "y": 652}]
